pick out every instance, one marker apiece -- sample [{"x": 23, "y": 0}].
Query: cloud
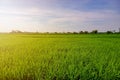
[
  {"x": 55, "y": 15},
  {"x": 84, "y": 16}
]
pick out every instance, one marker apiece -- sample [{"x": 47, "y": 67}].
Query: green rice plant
[{"x": 59, "y": 57}]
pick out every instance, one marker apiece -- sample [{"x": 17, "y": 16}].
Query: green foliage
[
  {"x": 16, "y": 31},
  {"x": 109, "y": 32},
  {"x": 75, "y": 32},
  {"x": 81, "y": 32},
  {"x": 59, "y": 57},
  {"x": 94, "y": 31},
  {"x": 85, "y": 32}
]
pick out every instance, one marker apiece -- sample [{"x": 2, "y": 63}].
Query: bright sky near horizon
[{"x": 59, "y": 15}]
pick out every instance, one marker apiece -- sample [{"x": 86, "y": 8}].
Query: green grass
[{"x": 59, "y": 57}]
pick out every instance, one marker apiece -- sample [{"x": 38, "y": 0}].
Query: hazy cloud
[{"x": 59, "y": 15}]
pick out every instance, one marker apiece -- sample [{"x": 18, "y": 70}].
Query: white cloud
[
  {"x": 29, "y": 18},
  {"x": 79, "y": 16}
]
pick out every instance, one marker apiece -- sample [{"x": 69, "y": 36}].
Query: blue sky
[{"x": 59, "y": 15}]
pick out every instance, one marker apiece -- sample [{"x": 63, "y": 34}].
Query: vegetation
[
  {"x": 59, "y": 57},
  {"x": 80, "y": 32},
  {"x": 109, "y": 32},
  {"x": 94, "y": 32}
]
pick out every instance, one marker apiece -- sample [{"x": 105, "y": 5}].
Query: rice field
[{"x": 59, "y": 56}]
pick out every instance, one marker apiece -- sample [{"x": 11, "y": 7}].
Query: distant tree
[
  {"x": 63, "y": 32},
  {"x": 109, "y": 32},
  {"x": 75, "y": 33},
  {"x": 81, "y": 32},
  {"x": 68, "y": 32},
  {"x": 46, "y": 32},
  {"x": 94, "y": 31},
  {"x": 16, "y": 31},
  {"x": 85, "y": 32},
  {"x": 55, "y": 32}
]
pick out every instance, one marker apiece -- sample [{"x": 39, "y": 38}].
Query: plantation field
[{"x": 59, "y": 56}]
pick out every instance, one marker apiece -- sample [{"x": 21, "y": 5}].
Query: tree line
[{"x": 80, "y": 32}]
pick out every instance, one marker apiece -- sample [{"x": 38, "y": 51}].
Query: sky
[{"x": 59, "y": 15}]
